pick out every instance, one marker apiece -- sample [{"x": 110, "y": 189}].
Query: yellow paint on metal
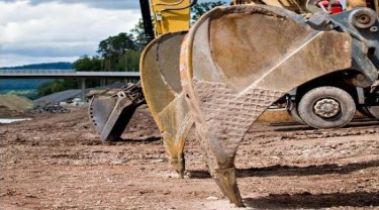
[
  {"x": 160, "y": 80},
  {"x": 377, "y": 6},
  {"x": 171, "y": 15}
]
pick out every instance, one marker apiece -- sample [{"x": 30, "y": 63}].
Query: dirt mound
[
  {"x": 11, "y": 105},
  {"x": 57, "y": 97}
]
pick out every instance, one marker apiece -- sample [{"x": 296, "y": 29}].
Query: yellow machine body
[{"x": 170, "y": 15}]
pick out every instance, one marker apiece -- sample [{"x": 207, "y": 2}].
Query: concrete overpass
[
  {"x": 52, "y": 73},
  {"x": 66, "y": 74}
]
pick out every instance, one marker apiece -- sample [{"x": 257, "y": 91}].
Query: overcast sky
[{"x": 35, "y": 31}]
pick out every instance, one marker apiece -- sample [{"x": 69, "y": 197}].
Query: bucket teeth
[
  {"x": 227, "y": 182},
  {"x": 99, "y": 110},
  {"x": 178, "y": 164}
]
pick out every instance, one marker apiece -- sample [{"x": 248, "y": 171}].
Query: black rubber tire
[
  {"x": 345, "y": 100},
  {"x": 293, "y": 112},
  {"x": 374, "y": 111}
]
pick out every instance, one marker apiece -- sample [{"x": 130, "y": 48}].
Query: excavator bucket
[
  {"x": 164, "y": 96},
  {"x": 238, "y": 60},
  {"x": 111, "y": 112}
]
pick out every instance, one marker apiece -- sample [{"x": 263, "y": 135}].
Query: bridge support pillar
[
  {"x": 83, "y": 88},
  {"x": 102, "y": 82}
]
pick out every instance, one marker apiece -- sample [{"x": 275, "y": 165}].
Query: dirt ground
[{"x": 57, "y": 162}]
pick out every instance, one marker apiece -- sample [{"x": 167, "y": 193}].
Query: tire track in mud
[
  {"x": 292, "y": 131},
  {"x": 290, "y": 144}
]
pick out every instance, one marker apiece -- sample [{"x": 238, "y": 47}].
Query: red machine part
[{"x": 330, "y": 6}]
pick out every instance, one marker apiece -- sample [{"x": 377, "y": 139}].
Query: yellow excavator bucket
[
  {"x": 236, "y": 61},
  {"x": 163, "y": 93}
]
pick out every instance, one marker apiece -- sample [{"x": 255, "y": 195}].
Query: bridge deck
[{"x": 51, "y": 73}]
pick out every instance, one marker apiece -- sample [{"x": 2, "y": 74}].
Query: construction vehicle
[
  {"x": 328, "y": 114},
  {"x": 237, "y": 61}
]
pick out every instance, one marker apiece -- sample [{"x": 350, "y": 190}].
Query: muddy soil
[{"x": 56, "y": 161}]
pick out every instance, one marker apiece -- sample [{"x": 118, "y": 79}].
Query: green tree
[
  {"x": 56, "y": 86},
  {"x": 86, "y": 63},
  {"x": 200, "y": 8},
  {"x": 140, "y": 38},
  {"x": 114, "y": 47},
  {"x": 129, "y": 61}
]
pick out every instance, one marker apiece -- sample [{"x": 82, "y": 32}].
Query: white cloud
[
  {"x": 33, "y": 31},
  {"x": 55, "y": 30},
  {"x": 17, "y": 59}
]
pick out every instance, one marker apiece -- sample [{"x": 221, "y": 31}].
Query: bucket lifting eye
[
  {"x": 363, "y": 18},
  {"x": 121, "y": 94}
]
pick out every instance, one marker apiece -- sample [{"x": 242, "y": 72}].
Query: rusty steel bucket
[
  {"x": 162, "y": 89},
  {"x": 110, "y": 111},
  {"x": 238, "y": 60}
]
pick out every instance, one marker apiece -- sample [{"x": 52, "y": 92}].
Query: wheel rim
[
  {"x": 327, "y": 108},
  {"x": 374, "y": 111}
]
